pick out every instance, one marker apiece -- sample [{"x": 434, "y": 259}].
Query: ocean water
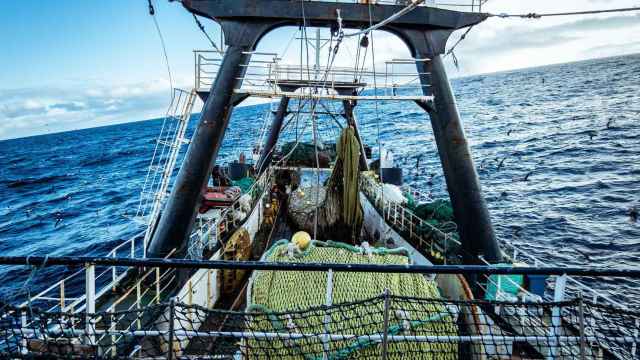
[{"x": 567, "y": 136}]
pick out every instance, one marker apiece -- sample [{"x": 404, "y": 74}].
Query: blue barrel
[
  {"x": 391, "y": 176},
  {"x": 238, "y": 171},
  {"x": 537, "y": 284}
]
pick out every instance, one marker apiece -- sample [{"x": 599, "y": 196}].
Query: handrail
[
  {"x": 265, "y": 73},
  {"x": 221, "y": 225},
  {"x": 43, "y": 295},
  {"x": 588, "y": 291},
  {"x": 407, "y": 219},
  {"x": 517, "y": 254},
  {"x": 50, "y": 261}
]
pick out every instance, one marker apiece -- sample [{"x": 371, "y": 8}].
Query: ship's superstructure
[{"x": 315, "y": 249}]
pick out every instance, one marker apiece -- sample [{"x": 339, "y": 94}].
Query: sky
[{"x": 73, "y": 64}]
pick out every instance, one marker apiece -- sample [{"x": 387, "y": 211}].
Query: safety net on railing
[{"x": 383, "y": 327}]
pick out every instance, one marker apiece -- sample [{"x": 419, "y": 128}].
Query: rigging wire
[
  {"x": 357, "y": 62},
  {"x": 384, "y": 22},
  {"x": 534, "y": 15},
  {"x": 375, "y": 89},
  {"x": 450, "y": 51},
  {"x": 314, "y": 102},
  {"x": 201, "y": 27},
  {"x": 364, "y": 60},
  {"x": 152, "y": 12},
  {"x": 286, "y": 48}
]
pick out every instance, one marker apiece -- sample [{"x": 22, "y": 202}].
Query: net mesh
[{"x": 385, "y": 326}]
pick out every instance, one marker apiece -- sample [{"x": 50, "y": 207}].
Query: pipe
[
  {"x": 48, "y": 261},
  {"x": 177, "y": 219},
  {"x": 469, "y": 206},
  {"x": 274, "y": 134}
]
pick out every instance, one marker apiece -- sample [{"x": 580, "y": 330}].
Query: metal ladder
[{"x": 168, "y": 146}]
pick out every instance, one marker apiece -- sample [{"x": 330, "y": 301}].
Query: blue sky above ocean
[{"x": 75, "y": 64}]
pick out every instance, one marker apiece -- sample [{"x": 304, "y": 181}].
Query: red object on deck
[{"x": 220, "y": 196}]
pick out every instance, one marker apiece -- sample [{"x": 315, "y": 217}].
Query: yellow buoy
[{"x": 302, "y": 239}]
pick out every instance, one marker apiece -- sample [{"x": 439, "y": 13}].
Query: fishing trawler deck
[{"x": 290, "y": 258}]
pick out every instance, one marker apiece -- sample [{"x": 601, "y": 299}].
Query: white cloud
[
  {"x": 495, "y": 45},
  {"x": 25, "y": 112}
]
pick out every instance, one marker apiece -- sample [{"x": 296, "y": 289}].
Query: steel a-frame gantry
[{"x": 425, "y": 30}]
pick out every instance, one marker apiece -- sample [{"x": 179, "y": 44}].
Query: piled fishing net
[
  {"x": 302, "y": 208},
  {"x": 272, "y": 293},
  {"x": 244, "y": 184},
  {"x": 333, "y": 211},
  {"x": 303, "y": 154},
  {"x": 437, "y": 216},
  {"x": 439, "y": 210},
  {"x": 344, "y": 183}
]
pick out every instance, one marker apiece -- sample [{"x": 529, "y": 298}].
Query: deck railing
[
  {"x": 516, "y": 254},
  {"x": 266, "y": 76},
  {"x": 403, "y": 220},
  {"x": 212, "y": 231},
  {"x": 457, "y": 5},
  {"x": 563, "y": 328},
  {"x": 407, "y": 223}
]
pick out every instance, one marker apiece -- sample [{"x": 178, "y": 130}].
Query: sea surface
[{"x": 557, "y": 150}]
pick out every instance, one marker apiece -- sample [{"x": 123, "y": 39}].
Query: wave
[{"x": 12, "y": 184}]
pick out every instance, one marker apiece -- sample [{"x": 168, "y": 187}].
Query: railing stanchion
[
  {"x": 112, "y": 328},
  {"x": 138, "y": 304},
  {"x": 583, "y": 344},
  {"x": 209, "y": 305},
  {"x": 90, "y": 293},
  {"x": 198, "y": 72},
  {"x": 62, "y": 295},
  {"x": 385, "y": 334},
  {"x": 23, "y": 324},
  {"x": 634, "y": 346},
  {"x": 114, "y": 274},
  {"x": 446, "y": 247},
  {"x": 556, "y": 319},
  {"x": 172, "y": 310},
  {"x": 158, "y": 285},
  {"x": 327, "y": 317}
]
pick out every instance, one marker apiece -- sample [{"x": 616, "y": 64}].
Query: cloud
[
  {"x": 69, "y": 106},
  {"x": 499, "y": 44},
  {"x": 495, "y": 45},
  {"x": 518, "y": 37},
  {"x": 25, "y": 112},
  {"x": 613, "y": 49}
]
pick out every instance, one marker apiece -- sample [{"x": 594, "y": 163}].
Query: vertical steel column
[
  {"x": 469, "y": 206},
  {"x": 180, "y": 212},
  {"x": 274, "y": 134},
  {"x": 351, "y": 120}
]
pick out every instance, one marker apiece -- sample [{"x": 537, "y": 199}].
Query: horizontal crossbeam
[
  {"x": 376, "y": 338},
  {"x": 262, "y": 265},
  {"x": 307, "y": 95},
  {"x": 324, "y": 13}
]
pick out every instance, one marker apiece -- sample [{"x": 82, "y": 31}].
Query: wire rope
[{"x": 533, "y": 15}]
